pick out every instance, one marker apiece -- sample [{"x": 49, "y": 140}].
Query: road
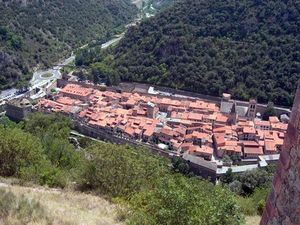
[
  {"x": 112, "y": 41},
  {"x": 7, "y": 94},
  {"x": 38, "y": 81}
]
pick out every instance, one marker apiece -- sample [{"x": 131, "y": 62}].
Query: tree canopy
[
  {"x": 247, "y": 48},
  {"x": 41, "y": 32},
  {"x": 150, "y": 190}
]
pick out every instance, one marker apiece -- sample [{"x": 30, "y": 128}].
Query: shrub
[
  {"x": 41, "y": 125},
  {"x": 247, "y": 206},
  {"x": 18, "y": 150},
  {"x": 120, "y": 170},
  {"x": 180, "y": 200},
  {"x": 153, "y": 193}
]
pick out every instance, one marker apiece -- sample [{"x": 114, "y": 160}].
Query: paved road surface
[{"x": 38, "y": 80}]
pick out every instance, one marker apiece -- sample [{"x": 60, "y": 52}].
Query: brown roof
[
  {"x": 273, "y": 119},
  {"x": 249, "y": 130},
  {"x": 76, "y": 90},
  {"x": 270, "y": 146},
  {"x": 253, "y": 150}
]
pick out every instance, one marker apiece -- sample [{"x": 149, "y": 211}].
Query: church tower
[
  {"x": 252, "y": 109},
  {"x": 233, "y": 116},
  {"x": 283, "y": 204}
]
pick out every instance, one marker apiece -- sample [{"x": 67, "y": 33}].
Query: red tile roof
[{"x": 76, "y": 90}]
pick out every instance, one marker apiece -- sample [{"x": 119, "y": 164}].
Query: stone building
[
  {"x": 252, "y": 109},
  {"x": 18, "y": 109},
  {"x": 228, "y": 106},
  {"x": 282, "y": 207}
]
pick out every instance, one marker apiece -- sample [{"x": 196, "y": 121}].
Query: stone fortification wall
[
  {"x": 143, "y": 87},
  {"x": 283, "y": 204},
  {"x": 201, "y": 168}
]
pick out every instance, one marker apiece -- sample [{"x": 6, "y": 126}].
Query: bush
[
  {"x": 42, "y": 125},
  {"x": 247, "y": 206},
  {"x": 180, "y": 200},
  {"x": 41, "y": 153},
  {"x": 154, "y": 194},
  {"x": 249, "y": 180},
  {"x": 254, "y": 204},
  {"x": 120, "y": 170},
  {"x": 18, "y": 150}
]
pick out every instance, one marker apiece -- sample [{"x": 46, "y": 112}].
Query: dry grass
[
  {"x": 66, "y": 207},
  {"x": 253, "y": 220}
]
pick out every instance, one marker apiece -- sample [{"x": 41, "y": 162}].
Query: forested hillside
[
  {"x": 148, "y": 190},
  {"x": 40, "y": 32},
  {"x": 248, "y": 48}
]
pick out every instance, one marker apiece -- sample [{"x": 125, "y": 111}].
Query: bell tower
[{"x": 252, "y": 109}]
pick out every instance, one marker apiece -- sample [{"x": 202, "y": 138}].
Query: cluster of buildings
[{"x": 184, "y": 126}]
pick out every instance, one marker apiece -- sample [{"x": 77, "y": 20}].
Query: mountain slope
[
  {"x": 42, "y": 205},
  {"x": 248, "y": 48},
  {"x": 39, "y": 32}
]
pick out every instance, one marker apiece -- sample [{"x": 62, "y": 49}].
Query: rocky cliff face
[{"x": 283, "y": 203}]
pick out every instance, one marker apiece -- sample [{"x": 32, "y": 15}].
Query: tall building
[
  {"x": 282, "y": 206},
  {"x": 152, "y": 110},
  {"x": 233, "y": 116},
  {"x": 252, "y": 109}
]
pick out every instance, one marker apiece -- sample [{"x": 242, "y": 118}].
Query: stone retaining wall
[{"x": 283, "y": 204}]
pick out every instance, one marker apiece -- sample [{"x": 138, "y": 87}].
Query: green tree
[
  {"x": 103, "y": 72},
  {"x": 18, "y": 151},
  {"x": 120, "y": 170},
  {"x": 42, "y": 125},
  {"x": 180, "y": 200},
  {"x": 228, "y": 177},
  {"x": 269, "y": 111},
  {"x": 181, "y": 166}
]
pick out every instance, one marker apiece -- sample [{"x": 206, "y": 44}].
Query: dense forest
[
  {"x": 40, "y": 32},
  {"x": 248, "y": 48}
]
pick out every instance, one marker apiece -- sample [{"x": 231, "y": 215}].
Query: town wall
[
  {"x": 110, "y": 137},
  {"x": 142, "y": 87},
  {"x": 202, "y": 169}
]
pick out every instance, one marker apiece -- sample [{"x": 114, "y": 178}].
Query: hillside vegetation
[
  {"x": 45, "y": 206},
  {"x": 41, "y": 32},
  {"x": 248, "y": 48},
  {"x": 144, "y": 185}
]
